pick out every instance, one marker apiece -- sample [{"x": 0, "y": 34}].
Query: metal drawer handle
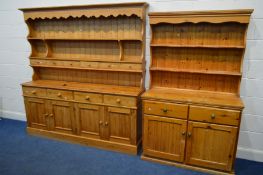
[
  {"x": 165, "y": 110},
  {"x": 213, "y": 116}
]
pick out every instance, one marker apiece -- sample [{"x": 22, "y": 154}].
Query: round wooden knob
[
  {"x": 109, "y": 65},
  {"x": 59, "y": 95},
  {"x": 189, "y": 134},
  {"x": 118, "y": 100},
  {"x": 33, "y": 92},
  {"x": 106, "y": 124},
  {"x": 45, "y": 115},
  {"x": 100, "y": 122},
  {"x": 51, "y": 115},
  {"x": 87, "y": 98}
]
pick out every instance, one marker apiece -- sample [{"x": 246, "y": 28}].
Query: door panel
[
  {"x": 211, "y": 145},
  {"x": 118, "y": 122},
  {"x": 89, "y": 119},
  {"x": 164, "y": 137},
  {"x": 61, "y": 116},
  {"x": 36, "y": 113}
]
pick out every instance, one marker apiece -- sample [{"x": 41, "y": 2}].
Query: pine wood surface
[
  {"x": 88, "y": 73},
  {"x": 192, "y": 110},
  {"x": 195, "y": 97},
  {"x": 85, "y": 87}
]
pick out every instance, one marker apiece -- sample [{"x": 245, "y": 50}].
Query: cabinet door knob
[
  {"x": 59, "y": 95},
  {"x": 165, "y": 110},
  {"x": 100, "y": 122},
  {"x": 189, "y": 134},
  {"x": 213, "y": 116},
  {"x": 106, "y": 124},
  {"x": 51, "y": 115},
  {"x": 34, "y": 92},
  {"x": 183, "y": 133},
  {"x": 87, "y": 98},
  {"x": 118, "y": 100},
  {"x": 45, "y": 115}
]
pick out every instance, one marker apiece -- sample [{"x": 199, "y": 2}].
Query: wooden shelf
[
  {"x": 86, "y": 39},
  {"x": 196, "y": 71},
  {"x": 86, "y": 87},
  {"x": 83, "y": 59},
  {"x": 94, "y": 69},
  {"x": 197, "y": 46},
  {"x": 194, "y": 97}
]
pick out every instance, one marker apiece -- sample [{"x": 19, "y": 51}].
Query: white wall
[{"x": 14, "y": 52}]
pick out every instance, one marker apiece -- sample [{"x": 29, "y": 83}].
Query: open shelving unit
[{"x": 88, "y": 61}]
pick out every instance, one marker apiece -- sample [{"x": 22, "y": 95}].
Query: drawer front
[
  {"x": 89, "y": 64},
  {"x": 88, "y": 97},
  {"x": 109, "y": 65},
  {"x": 166, "y": 109},
  {"x": 214, "y": 115},
  {"x": 131, "y": 66},
  {"x": 38, "y": 62},
  {"x": 34, "y": 92},
  {"x": 71, "y": 63},
  {"x": 120, "y": 100},
  {"x": 59, "y": 94}
]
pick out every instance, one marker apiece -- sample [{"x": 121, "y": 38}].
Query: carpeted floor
[{"x": 21, "y": 154}]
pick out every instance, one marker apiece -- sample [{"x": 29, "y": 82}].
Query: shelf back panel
[
  {"x": 121, "y": 27},
  {"x": 218, "y": 83},
  {"x": 38, "y": 48},
  {"x": 197, "y": 59},
  {"x": 222, "y": 34},
  {"x": 74, "y": 50},
  {"x": 97, "y": 77}
]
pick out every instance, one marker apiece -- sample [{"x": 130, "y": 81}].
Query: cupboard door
[
  {"x": 89, "y": 118},
  {"x": 118, "y": 123},
  {"x": 36, "y": 113},
  {"x": 164, "y": 137},
  {"x": 211, "y": 145},
  {"x": 61, "y": 116}
]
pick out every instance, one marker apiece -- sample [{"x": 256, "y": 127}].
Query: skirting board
[
  {"x": 13, "y": 115},
  {"x": 244, "y": 153}
]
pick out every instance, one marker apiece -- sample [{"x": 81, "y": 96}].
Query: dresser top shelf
[
  {"x": 209, "y": 98},
  {"x": 86, "y": 87}
]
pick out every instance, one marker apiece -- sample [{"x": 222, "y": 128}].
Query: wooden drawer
[
  {"x": 71, "y": 63},
  {"x": 89, "y": 64},
  {"x": 37, "y": 62},
  {"x": 109, "y": 65},
  {"x": 131, "y": 66},
  {"x": 166, "y": 109},
  {"x": 88, "y": 97},
  {"x": 34, "y": 92},
  {"x": 120, "y": 100},
  {"x": 214, "y": 115},
  {"x": 59, "y": 94}
]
